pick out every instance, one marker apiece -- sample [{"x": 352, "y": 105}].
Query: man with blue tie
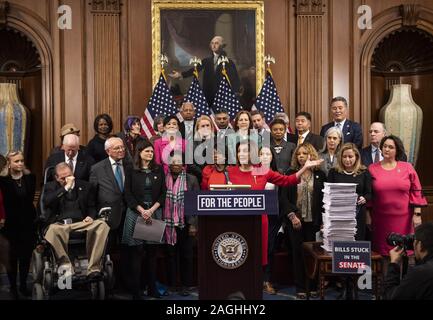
[
  {"x": 352, "y": 131},
  {"x": 108, "y": 177}
]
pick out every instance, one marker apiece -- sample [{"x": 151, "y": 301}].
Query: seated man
[
  {"x": 72, "y": 208},
  {"x": 418, "y": 283}
]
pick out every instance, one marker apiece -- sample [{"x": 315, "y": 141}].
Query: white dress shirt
[
  {"x": 113, "y": 167},
  {"x": 74, "y": 160}
]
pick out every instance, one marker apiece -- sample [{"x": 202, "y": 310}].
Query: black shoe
[{"x": 95, "y": 275}]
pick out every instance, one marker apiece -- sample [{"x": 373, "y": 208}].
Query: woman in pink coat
[{"x": 170, "y": 143}]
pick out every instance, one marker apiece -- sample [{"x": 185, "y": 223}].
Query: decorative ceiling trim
[
  {"x": 404, "y": 51},
  {"x": 105, "y": 6},
  {"x": 310, "y": 7}
]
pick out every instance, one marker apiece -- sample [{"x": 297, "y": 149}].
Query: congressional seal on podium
[{"x": 230, "y": 250}]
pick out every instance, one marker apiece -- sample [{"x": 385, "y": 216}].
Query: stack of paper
[{"x": 339, "y": 218}]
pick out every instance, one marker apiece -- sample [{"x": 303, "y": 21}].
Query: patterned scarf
[
  {"x": 174, "y": 206},
  {"x": 305, "y": 195}
]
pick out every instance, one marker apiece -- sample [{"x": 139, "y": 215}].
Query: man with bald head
[
  {"x": 187, "y": 124},
  {"x": 212, "y": 71},
  {"x": 372, "y": 153},
  {"x": 77, "y": 159}
]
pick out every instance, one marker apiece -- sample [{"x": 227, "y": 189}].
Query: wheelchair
[{"x": 46, "y": 278}]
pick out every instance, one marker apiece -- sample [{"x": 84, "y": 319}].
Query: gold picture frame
[{"x": 162, "y": 10}]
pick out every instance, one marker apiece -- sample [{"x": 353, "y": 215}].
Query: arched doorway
[
  {"x": 386, "y": 23},
  {"x": 405, "y": 56},
  {"x": 20, "y": 64},
  {"x": 19, "y": 20}
]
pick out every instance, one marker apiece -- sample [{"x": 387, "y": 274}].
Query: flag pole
[
  {"x": 163, "y": 60},
  {"x": 224, "y": 60},
  {"x": 268, "y": 60},
  {"x": 195, "y": 62}
]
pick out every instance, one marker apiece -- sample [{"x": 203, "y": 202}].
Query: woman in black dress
[
  {"x": 103, "y": 126},
  {"x": 145, "y": 195},
  {"x": 18, "y": 189},
  {"x": 302, "y": 214},
  {"x": 350, "y": 170}
]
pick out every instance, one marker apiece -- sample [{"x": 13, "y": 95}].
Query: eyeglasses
[{"x": 118, "y": 148}]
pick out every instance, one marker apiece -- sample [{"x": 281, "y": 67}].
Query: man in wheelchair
[{"x": 71, "y": 208}]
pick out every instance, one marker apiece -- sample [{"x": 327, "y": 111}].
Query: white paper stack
[{"x": 339, "y": 218}]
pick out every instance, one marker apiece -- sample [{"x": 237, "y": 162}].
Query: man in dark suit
[
  {"x": 187, "y": 124},
  {"x": 77, "y": 159},
  {"x": 212, "y": 71},
  {"x": 352, "y": 131},
  {"x": 372, "y": 153},
  {"x": 303, "y": 133},
  {"x": 71, "y": 206},
  {"x": 108, "y": 177},
  {"x": 259, "y": 123},
  {"x": 223, "y": 126}
]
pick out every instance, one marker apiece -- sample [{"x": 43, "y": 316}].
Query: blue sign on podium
[{"x": 231, "y": 202}]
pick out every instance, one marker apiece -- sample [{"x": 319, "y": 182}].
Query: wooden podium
[{"x": 230, "y": 240}]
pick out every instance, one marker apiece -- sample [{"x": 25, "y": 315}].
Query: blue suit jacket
[
  {"x": 366, "y": 158},
  {"x": 352, "y": 132}
]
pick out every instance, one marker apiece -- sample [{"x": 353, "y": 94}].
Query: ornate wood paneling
[
  {"x": 310, "y": 49},
  {"x": 106, "y": 50}
]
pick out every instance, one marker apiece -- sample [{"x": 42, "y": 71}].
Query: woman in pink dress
[
  {"x": 397, "y": 197},
  {"x": 170, "y": 142}
]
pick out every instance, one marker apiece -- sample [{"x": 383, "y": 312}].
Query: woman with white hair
[{"x": 333, "y": 142}]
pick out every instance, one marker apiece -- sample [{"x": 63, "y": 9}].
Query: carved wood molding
[
  {"x": 310, "y": 7},
  {"x": 107, "y": 64},
  {"x": 410, "y": 14},
  {"x": 105, "y": 6},
  {"x": 310, "y": 70},
  {"x": 4, "y": 10}
]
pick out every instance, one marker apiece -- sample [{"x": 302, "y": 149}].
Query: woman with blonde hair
[
  {"x": 333, "y": 142},
  {"x": 204, "y": 128},
  {"x": 349, "y": 169},
  {"x": 303, "y": 216},
  {"x": 18, "y": 189}
]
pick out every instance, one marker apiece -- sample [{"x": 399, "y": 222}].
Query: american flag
[
  {"x": 268, "y": 100},
  {"x": 196, "y": 96},
  {"x": 161, "y": 103},
  {"x": 225, "y": 98}
]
